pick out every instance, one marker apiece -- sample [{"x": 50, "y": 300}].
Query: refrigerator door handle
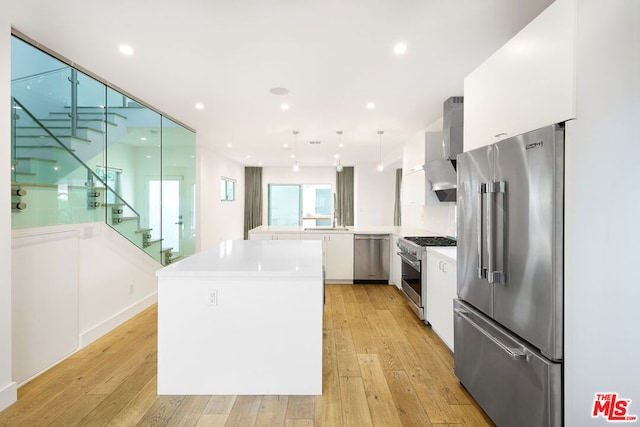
[
  {"x": 493, "y": 276},
  {"x": 514, "y": 353},
  {"x": 482, "y": 272}
]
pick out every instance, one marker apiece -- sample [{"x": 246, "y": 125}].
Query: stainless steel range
[{"x": 413, "y": 251}]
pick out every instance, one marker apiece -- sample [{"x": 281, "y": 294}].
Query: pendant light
[
  {"x": 380, "y": 166},
  {"x": 339, "y": 167},
  {"x": 296, "y": 166}
]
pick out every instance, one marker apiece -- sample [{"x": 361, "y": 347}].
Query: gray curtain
[
  {"x": 397, "y": 210},
  {"x": 252, "y": 199},
  {"x": 344, "y": 196}
]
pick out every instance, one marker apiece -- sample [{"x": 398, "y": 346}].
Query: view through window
[{"x": 307, "y": 205}]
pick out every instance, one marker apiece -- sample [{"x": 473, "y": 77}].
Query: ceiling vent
[{"x": 315, "y": 142}]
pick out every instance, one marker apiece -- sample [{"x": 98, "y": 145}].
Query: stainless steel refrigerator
[{"x": 508, "y": 318}]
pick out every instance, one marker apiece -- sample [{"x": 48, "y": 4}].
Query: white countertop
[
  {"x": 447, "y": 251},
  {"x": 398, "y": 231},
  {"x": 252, "y": 258}
]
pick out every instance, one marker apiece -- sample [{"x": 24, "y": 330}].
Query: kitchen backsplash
[{"x": 439, "y": 219}]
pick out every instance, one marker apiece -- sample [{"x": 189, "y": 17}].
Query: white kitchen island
[{"x": 242, "y": 318}]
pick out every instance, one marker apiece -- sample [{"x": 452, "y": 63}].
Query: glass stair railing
[{"x": 51, "y": 185}]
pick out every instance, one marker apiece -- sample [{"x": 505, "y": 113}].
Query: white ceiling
[{"x": 334, "y": 56}]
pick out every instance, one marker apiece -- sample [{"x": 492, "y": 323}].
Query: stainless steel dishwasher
[{"x": 371, "y": 258}]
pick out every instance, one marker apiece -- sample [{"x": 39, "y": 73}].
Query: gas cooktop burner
[{"x": 432, "y": 241}]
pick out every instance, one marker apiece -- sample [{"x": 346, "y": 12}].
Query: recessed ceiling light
[
  {"x": 199, "y": 106},
  {"x": 371, "y": 105},
  {"x": 340, "y": 145},
  {"x": 285, "y": 145},
  {"x": 284, "y": 107},
  {"x": 125, "y": 49},
  {"x": 279, "y": 90},
  {"x": 248, "y": 156},
  {"x": 292, "y": 156},
  {"x": 336, "y": 156},
  {"x": 259, "y": 163},
  {"x": 144, "y": 138},
  {"x": 400, "y": 49},
  {"x": 148, "y": 157},
  {"x": 229, "y": 145}
]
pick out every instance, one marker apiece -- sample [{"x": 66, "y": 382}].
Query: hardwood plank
[
  {"x": 220, "y": 405},
  {"x": 116, "y": 401},
  {"x": 354, "y": 402},
  {"x": 213, "y": 420},
  {"x": 272, "y": 411},
  {"x": 328, "y": 406},
  {"x": 189, "y": 411},
  {"x": 74, "y": 414},
  {"x": 137, "y": 407},
  {"x": 300, "y": 407},
  {"x": 299, "y": 422},
  {"x": 408, "y": 405},
  {"x": 245, "y": 411},
  {"x": 161, "y": 412},
  {"x": 381, "y": 405}
]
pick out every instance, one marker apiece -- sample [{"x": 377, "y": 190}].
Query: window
[
  {"x": 307, "y": 205},
  {"x": 227, "y": 189}
]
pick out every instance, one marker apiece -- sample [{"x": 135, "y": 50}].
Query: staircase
[{"x": 53, "y": 182}]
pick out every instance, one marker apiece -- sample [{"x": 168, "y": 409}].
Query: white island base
[{"x": 242, "y": 318}]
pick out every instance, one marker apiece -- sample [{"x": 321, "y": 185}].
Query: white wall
[
  {"x": 438, "y": 219},
  {"x": 99, "y": 280},
  {"x": 374, "y": 195},
  {"x": 8, "y": 390},
  {"x": 602, "y": 212},
  {"x": 217, "y": 220},
  {"x": 286, "y": 175}
]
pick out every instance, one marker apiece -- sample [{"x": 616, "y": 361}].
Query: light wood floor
[{"x": 382, "y": 366}]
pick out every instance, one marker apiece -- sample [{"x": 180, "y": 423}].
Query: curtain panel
[
  {"x": 397, "y": 210},
  {"x": 252, "y": 199},
  {"x": 344, "y": 196}
]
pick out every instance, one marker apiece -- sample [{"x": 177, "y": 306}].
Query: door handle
[
  {"x": 493, "y": 275},
  {"x": 482, "y": 272},
  {"x": 514, "y": 353},
  {"x": 178, "y": 223}
]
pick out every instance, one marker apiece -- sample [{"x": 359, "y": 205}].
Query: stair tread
[
  {"x": 37, "y": 158},
  {"x": 35, "y": 147},
  {"x": 143, "y": 230},
  {"x": 60, "y": 127},
  {"x": 127, "y": 218},
  {"x": 75, "y": 138}
]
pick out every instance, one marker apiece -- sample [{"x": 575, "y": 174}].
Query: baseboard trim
[
  {"x": 102, "y": 328},
  {"x": 8, "y": 395}
]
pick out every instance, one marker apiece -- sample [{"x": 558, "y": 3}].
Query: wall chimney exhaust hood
[{"x": 442, "y": 172}]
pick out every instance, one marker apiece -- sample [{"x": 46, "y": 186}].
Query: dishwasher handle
[{"x": 371, "y": 237}]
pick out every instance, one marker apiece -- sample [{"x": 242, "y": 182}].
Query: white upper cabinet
[
  {"x": 413, "y": 154},
  {"x": 527, "y": 84}
]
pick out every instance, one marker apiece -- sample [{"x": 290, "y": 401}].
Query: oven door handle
[{"x": 415, "y": 263}]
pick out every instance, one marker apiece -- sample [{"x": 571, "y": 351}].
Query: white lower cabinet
[
  {"x": 441, "y": 291},
  {"x": 339, "y": 257},
  {"x": 337, "y": 251}
]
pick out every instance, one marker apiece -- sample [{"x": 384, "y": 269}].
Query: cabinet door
[
  {"x": 287, "y": 236},
  {"x": 339, "y": 256},
  {"x": 527, "y": 84},
  {"x": 396, "y": 264},
  {"x": 441, "y": 291},
  {"x": 261, "y": 236}
]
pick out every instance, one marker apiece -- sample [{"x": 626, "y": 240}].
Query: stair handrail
[
  {"x": 72, "y": 154},
  {"x": 44, "y": 73}
]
